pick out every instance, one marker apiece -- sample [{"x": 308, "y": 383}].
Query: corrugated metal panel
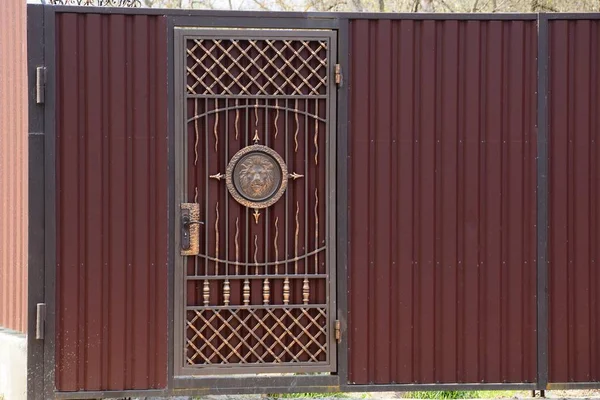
[
  {"x": 13, "y": 166},
  {"x": 574, "y": 118},
  {"x": 442, "y": 197},
  {"x": 112, "y": 179}
]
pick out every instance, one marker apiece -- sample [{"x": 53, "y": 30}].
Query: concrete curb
[{"x": 13, "y": 365}]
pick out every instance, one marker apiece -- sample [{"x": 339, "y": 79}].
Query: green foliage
[
  {"x": 481, "y": 394},
  {"x": 305, "y": 395},
  {"x": 447, "y": 394}
]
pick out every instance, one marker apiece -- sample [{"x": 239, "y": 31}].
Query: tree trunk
[
  {"x": 534, "y": 5},
  {"x": 358, "y": 5},
  {"x": 427, "y": 5}
]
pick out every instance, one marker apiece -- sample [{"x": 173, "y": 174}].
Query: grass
[
  {"x": 447, "y": 394},
  {"x": 481, "y": 394},
  {"x": 305, "y": 395}
]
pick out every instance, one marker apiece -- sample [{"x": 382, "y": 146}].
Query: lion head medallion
[{"x": 256, "y": 176}]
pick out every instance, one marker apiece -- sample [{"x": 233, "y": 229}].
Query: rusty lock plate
[{"x": 190, "y": 229}]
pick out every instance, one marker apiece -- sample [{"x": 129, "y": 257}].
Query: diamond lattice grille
[
  {"x": 246, "y": 336},
  {"x": 256, "y": 67}
]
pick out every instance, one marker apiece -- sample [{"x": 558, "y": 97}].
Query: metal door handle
[{"x": 190, "y": 228}]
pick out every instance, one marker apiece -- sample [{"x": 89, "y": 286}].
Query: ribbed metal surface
[
  {"x": 13, "y": 166},
  {"x": 574, "y": 119},
  {"x": 442, "y": 198},
  {"x": 112, "y": 177}
]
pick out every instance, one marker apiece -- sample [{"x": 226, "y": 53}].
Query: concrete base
[{"x": 13, "y": 365}]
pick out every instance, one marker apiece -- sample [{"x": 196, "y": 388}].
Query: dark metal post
[
  {"x": 36, "y": 199},
  {"x": 49, "y": 178},
  {"x": 542, "y": 205},
  {"x": 171, "y": 198},
  {"x": 342, "y": 198}
]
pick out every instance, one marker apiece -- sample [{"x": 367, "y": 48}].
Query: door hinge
[
  {"x": 40, "y": 321},
  {"x": 338, "y": 331},
  {"x": 338, "y": 75},
  {"x": 40, "y": 85}
]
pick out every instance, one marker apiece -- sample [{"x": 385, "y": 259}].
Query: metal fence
[
  {"x": 97, "y": 3},
  {"x": 464, "y": 192}
]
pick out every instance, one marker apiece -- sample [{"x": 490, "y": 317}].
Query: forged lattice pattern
[
  {"x": 257, "y": 292},
  {"x": 98, "y": 3},
  {"x": 256, "y": 67},
  {"x": 249, "y": 336}
]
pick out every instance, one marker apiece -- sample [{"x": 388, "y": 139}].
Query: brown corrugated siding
[
  {"x": 442, "y": 197},
  {"x": 13, "y": 166},
  {"x": 112, "y": 185},
  {"x": 574, "y": 119}
]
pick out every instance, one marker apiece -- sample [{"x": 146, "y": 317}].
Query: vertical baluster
[
  {"x": 266, "y": 291},
  {"x": 305, "y": 291},
  {"x": 226, "y": 292},
  {"x": 206, "y": 292},
  {"x": 286, "y": 291},
  {"x": 246, "y": 292}
]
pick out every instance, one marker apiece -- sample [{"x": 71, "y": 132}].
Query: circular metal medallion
[{"x": 256, "y": 176}]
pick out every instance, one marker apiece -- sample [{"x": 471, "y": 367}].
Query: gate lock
[{"x": 190, "y": 229}]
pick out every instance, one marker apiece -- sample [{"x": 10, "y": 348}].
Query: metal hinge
[
  {"x": 40, "y": 321},
  {"x": 40, "y": 85},
  {"x": 338, "y": 75},
  {"x": 338, "y": 331}
]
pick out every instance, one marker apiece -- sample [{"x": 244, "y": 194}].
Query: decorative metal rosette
[{"x": 256, "y": 176}]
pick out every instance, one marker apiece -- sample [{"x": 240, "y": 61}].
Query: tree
[{"x": 463, "y": 6}]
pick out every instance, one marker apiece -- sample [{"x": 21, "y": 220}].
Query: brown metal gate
[
  {"x": 256, "y": 134},
  {"x": 464, "y": 187}
]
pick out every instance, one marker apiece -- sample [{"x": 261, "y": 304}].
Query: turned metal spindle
[
  {"x": 246, "y": 292},
  {"x": 266, "y": 291},
  {"x": 305, "y": 291},
  {"x": 206, "y": 292},
  {"x": 226, "y": 292},
  {"x": 286, "y": 291}
]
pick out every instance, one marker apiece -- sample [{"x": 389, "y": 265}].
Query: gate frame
[
  {"x": 251, "y": 383},
  {"x": 180, "y": 37}
]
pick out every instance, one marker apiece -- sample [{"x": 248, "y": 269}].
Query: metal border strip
[
  {"x": 343, "y": 129},
  {"x": 50, "y": 217},
  {"x": 294, "y": 384},
  {"x": 311, "y": 17},
  {"x": 171, "y": 198},
  {"x": 587, "y": 16},
  {"x": 572, "y": 385},
  {"x": 36, "y": 201},
  {"x": 400, "y": 387},
  {"x": 542, "y": 205}
]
